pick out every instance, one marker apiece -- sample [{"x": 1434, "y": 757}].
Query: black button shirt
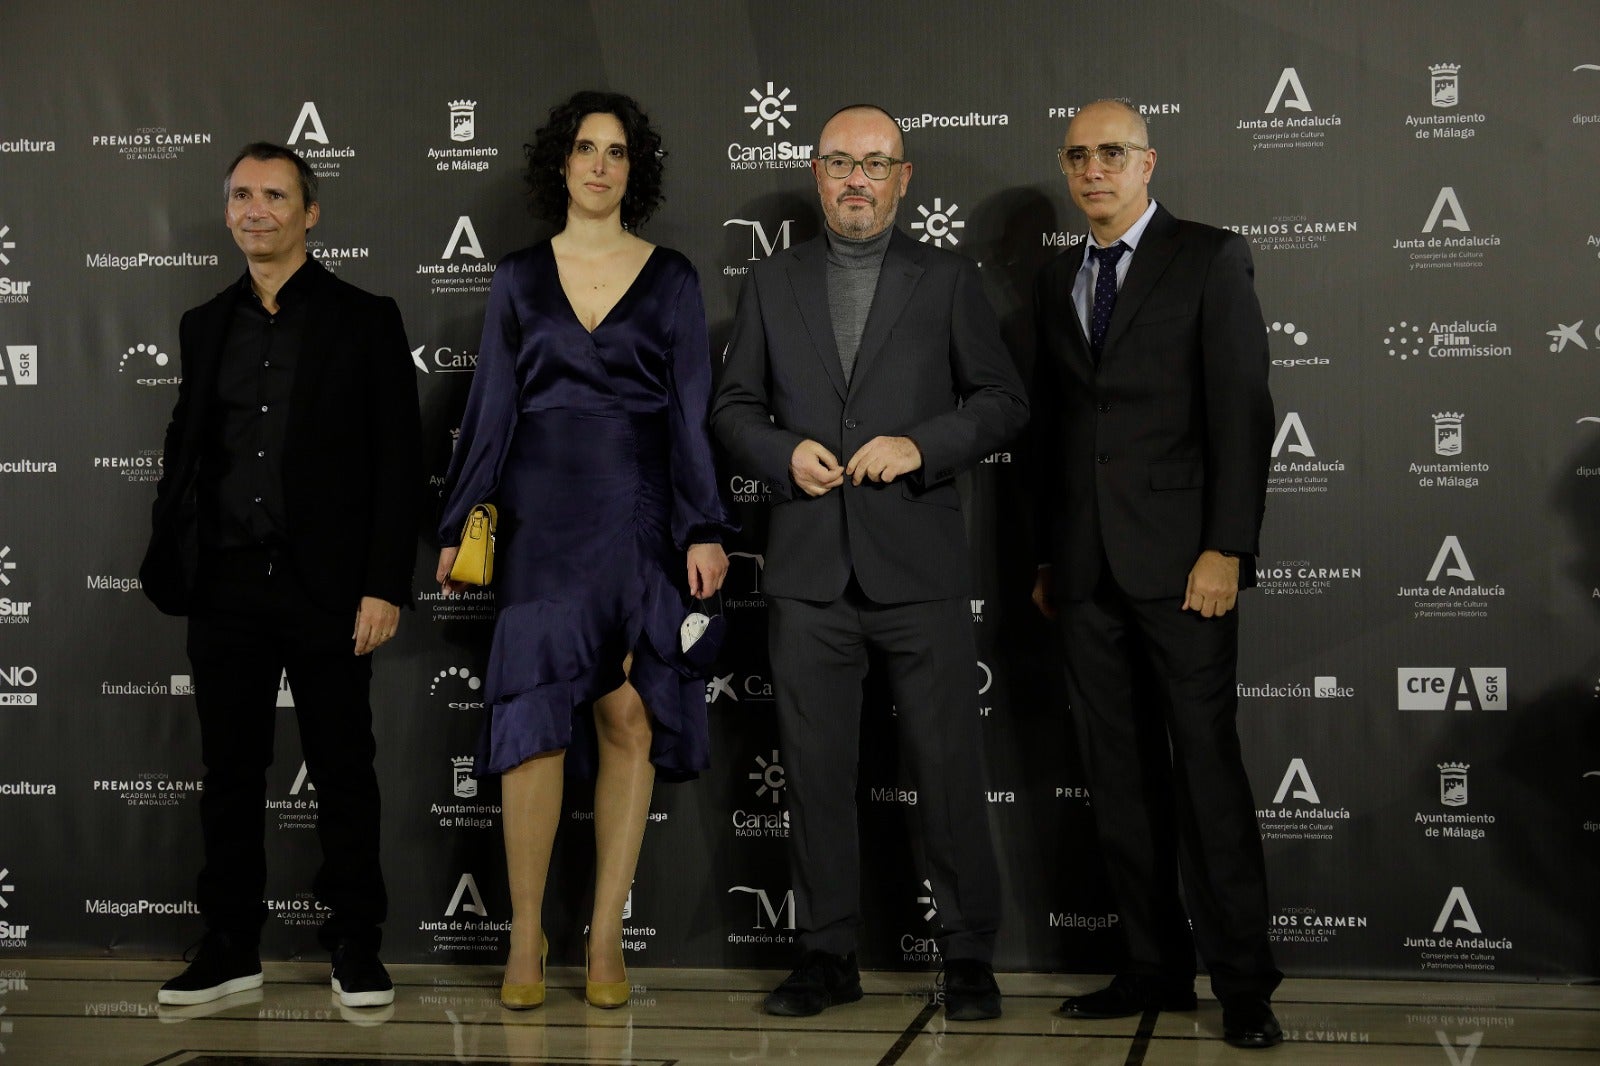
[{"x": 241, "y": 486}]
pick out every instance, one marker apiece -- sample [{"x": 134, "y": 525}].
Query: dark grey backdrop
[{"x": 1420, "y": 670}]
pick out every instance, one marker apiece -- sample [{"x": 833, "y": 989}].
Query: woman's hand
[
  {"x": 708, "y": 565},
  {"x": 447, "y": 559}
]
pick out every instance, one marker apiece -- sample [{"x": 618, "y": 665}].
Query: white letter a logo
[
  {"x": 463, "y": 239},
  {"x": 1289, "y": 80},
  {"x": 1451, "y": 549},
  {"x": 1302, "y": 443},
  {"x": 309, "y": 126},
  {"x": 1297, "y": 772},
  {"x": 467, "y": 887},
  {"x": 1457, "y": 901},
  {"x": 1457, "y": 219}
]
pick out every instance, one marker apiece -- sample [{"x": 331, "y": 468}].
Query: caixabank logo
[
  {"x": 1289, "y": 120},
  {"x": 1297, "y": 811},
  {"x": 1452, "y": 688},
  {"x": 1458, "y": 942},
  {"x": 769, "y": 119},
  {"x": 1452, "y": 588}
]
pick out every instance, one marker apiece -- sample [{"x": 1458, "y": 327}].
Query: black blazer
[
  {"x": 932, "y": 367},
  {"x": 1161, "y": 450},
  {"x": 352, "y": 452}
]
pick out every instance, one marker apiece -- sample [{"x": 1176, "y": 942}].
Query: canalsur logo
[
  {"x": 12, "y": 611},
  {"x": 12, "y": 290},
  {"x": 146, "y": 144},
  {"x": 768, "y": 115},
  {"x": 768, "y": 779},
  {"x": 1449, "y": 443},
  {"x": 1452, "y": 589},
  {"x": 1451, "y": 688},
  {"x": 1444, "y": 122},
  {"x": 12, "y": 935},
  {"x": 922, "y": 946},
  {"x": 1294, "y": 233},
  {"x": 939, "y": 224},
  {"x": 1296, "y": 467},
  {"x": 463, "y": 268},
  {"x": 762, "y": 244},
  {"x": 1297, "y": 811},
  {"x": 1437, "y": 249},
  {"x": 452, "y": 681},
  {"x": 444, "y": 359},
  {"x": 327, "y": 159},
  {"x": 1291, "y": 347},
  {"x": 1291, "y": 122},
  {"x": 985, "y": 683},
  {"x": 146, "y": 364},
  {"x": 749, "y": 489},
  {"x": 17, "y": 685},
  {"x": 1302, "y": 577},
  {"x": 1457, "y": 943},
  {"x": 1563, "y": 335},
  {"x": 463, "y": 129},
  {"x": 1304, "y": 925}
]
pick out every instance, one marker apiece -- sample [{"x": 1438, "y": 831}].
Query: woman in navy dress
[{"x": 586, "y": 426}]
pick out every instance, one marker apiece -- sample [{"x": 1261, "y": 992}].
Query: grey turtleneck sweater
[{"x": 853, "y": 268}]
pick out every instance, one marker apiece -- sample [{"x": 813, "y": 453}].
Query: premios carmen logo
[
  {"x": 1460, "y": 338},
  {"x": 768, "y": 117}
]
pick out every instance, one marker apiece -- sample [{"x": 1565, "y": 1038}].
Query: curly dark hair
[{"x": 547, "y": 157}]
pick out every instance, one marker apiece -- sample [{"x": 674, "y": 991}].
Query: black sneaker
[
  {"x": 359, "y": 979},
  {"x": 220, "y": 967},
  {"x": 822, "y": 980},
  {"x": 970, "y": 992}
]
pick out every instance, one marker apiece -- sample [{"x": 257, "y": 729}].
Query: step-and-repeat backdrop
[{"x": 1420, "y": 684}]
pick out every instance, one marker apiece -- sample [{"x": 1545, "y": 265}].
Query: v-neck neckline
[{"x": 573, "y": 310}]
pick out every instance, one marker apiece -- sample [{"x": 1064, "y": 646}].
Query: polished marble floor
[{"x": 80, "y": 1012}]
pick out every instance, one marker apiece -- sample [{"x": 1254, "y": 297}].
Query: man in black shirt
[{"x": 285, "y": 529}]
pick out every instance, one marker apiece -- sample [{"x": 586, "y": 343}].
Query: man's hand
[
  {"x": 814, "y": 468},
  {"x": 376, "y": 621},
  {"x": 1042, "y": 585},
  {"x": 1213, "y": 585},
  {"x": 883, "y": 459},
  {"x": 708, "y": 565},
  {"x": 441, "y": 574}
]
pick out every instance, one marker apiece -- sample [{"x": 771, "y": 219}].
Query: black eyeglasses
[
  {"x": 876, "y": 167},
  {"x": 1074, "y": 158}
]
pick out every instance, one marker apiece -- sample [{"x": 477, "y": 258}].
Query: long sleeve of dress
[
  {"x": 698, "y": 514},
  {"x": 491, "y": 412}
]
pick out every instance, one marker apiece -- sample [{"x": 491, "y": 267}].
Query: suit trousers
[
  {"x": 252, "y": 621},
  {"x": 819, "y": 659},
  {"x": 1154, "y": 694}
]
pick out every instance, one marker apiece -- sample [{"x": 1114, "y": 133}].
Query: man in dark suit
[
  {"x": 285, "y": 528},
  {"x": 1153, "y": 426},
  {"x": 864, "y": 373}
]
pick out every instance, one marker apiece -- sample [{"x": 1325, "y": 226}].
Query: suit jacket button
[
  {"x": 1103, "y": 406},
  {"x": 1102, "y": 458},
  {"x": 851, "y": 423}
]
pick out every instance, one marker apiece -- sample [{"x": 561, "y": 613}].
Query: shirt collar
[
  {"x": 296, "y": 290},
  {"x": 1131, "y": 238}
]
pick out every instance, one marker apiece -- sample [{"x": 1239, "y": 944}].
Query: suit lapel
[
  {"x": 1155, "y": 251},
  {"x": 897, "y": 280},
  {"x": 809, "y": 281}
]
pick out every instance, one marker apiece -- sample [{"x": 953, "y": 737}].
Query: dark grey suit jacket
[
  {"x": 932, "y": 367},
  {"x": 1160, "y": 451},
  {"x": 352, "y": 463}
]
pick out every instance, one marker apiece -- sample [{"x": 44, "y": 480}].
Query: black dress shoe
[
  {"x": 1250, "y": 1023},
  {"x": 970, "y": 992},
  {"x": 1128, "y": 995},
  {"x": 822, "y": 980}
]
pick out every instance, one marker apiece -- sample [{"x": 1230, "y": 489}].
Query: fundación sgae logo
[{"x": 769, "y": 114}]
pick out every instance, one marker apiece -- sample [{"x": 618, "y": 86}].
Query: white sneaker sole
[
  {"x": 180, "y": 998},
  {"x": 380, "y": 998}
]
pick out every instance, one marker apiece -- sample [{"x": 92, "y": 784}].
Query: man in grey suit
[{"x": 864, "y": 373}]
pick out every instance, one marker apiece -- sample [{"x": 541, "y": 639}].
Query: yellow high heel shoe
[
  {"x": 604, "y": 994},
  {"x": 529, "y": 996}
]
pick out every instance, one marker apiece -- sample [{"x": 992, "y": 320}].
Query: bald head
[
  {"x": 1123, "y": 113},
  {"x": 856, "y": 205},
  {"x": 870, "y": 114}
]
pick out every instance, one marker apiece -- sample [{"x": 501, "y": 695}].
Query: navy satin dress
[{"x": 595, "y": 449}]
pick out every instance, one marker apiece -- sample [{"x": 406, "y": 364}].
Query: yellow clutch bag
[{"x": 474, "y": 563}]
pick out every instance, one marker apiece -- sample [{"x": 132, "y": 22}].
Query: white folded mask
[{"x": 694, "y": 626}]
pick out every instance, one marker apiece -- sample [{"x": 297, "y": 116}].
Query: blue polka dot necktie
[{"x": 1105, "y": 295}]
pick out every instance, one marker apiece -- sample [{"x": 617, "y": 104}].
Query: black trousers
[
  {"x": 251, "y": 622},
  {"x": 819, "y": 660},
  {"x": 1154, "y": 694}
]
